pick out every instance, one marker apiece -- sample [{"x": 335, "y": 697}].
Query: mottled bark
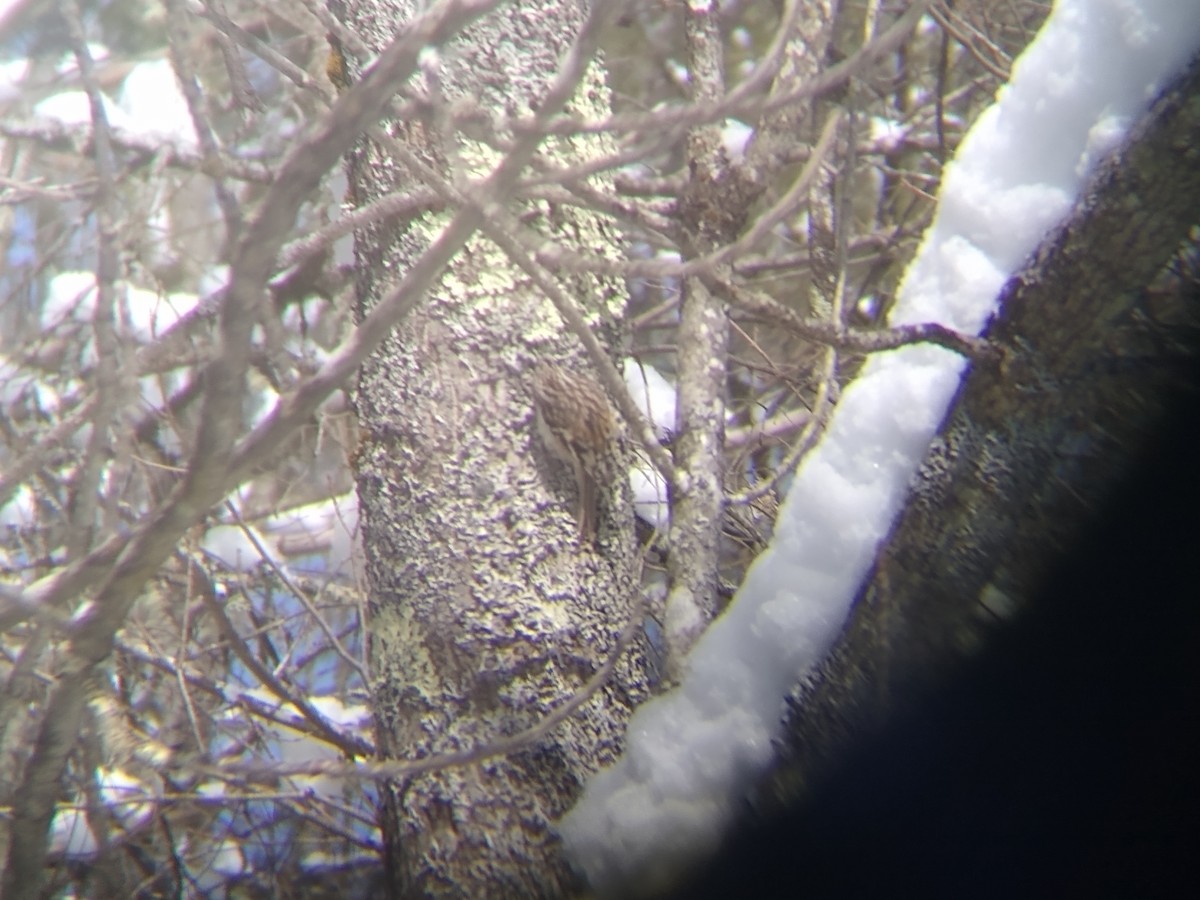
[
  {"x": 698, "y": 494},
  {"x": 487, "y": 611},
  {"x": 1031, "y": 446}
]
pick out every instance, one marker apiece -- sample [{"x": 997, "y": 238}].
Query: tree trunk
[
  {"x": 1031, "y": 447},
  {"x": 487, "y": 610}
]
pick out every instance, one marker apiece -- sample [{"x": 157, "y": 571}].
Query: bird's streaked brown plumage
[{"x": 577, "y": 425}]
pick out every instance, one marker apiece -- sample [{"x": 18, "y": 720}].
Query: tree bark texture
[
  {"x": 702, "y": 358},
  {"x": 1030, "y": 447},
  {"x": 487, "y": 611}
]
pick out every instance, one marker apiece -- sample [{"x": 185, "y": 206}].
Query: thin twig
[
  {"x": 297, "y": 592},
  {"x": 393, "y": 768}
]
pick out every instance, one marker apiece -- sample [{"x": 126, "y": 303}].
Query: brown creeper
[{"x": 577, "y": 425}]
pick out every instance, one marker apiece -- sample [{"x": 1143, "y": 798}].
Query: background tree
[{"x": 184, "y": 608}]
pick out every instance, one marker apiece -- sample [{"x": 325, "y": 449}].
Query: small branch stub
[{"x": 577, "y": 425}]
